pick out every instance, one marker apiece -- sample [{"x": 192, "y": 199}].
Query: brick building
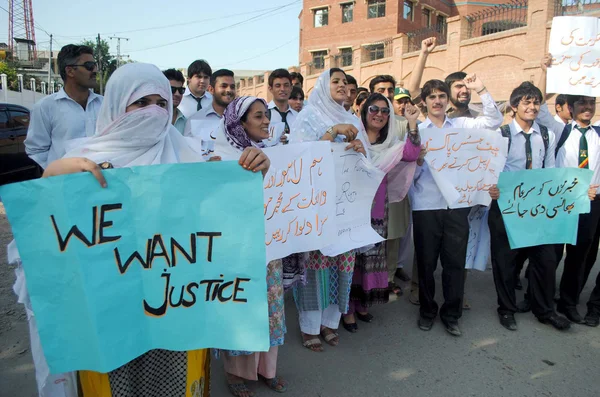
[{"x": 502, "y": 41}]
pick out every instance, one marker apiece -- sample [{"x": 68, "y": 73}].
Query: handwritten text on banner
[
  {"x": 576, "y": 56},
  {"x": 542, "y": 206},
  {"x": 150, "y": 262},
  {"x": 357, "y": 181},
  {"x": 299, "y": 199},
  {"x": 464, "y": 163}
]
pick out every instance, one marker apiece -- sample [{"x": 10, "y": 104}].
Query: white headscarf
[
  {"x": 144, "y": 136},
  {"x": 322, "y": 113}
]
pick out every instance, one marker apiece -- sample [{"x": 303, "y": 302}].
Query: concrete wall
[{"x": 26, "y": 98}]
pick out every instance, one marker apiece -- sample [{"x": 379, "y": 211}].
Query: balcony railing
[
  {"x": 575, "y": 7},
  {"x": 416, "y": 37},
  {"x": 499, "y": 18},
  {"x": 375, "y": 51}
]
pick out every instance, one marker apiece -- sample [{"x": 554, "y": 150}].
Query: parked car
[{"x": 15, "y": 165}]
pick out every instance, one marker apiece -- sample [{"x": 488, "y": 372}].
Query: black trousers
[
  {"x": 580, "y": 257},
  {"x": 441, "y": 234},
  {"x": 541, "y": 271}
]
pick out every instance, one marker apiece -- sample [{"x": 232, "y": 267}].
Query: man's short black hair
[
  {"x": 382, "y": 78},
  {"x": 454, "y": 77},
  {"x": 360, "y": 98},
  {"x": 351, "y": 80},
  {"x": 197, "y": 67},
  {"x": 279, "y": 74},
  {"x": 297, "y": 76},
  {"x": 434, "y": 85},
  {"x": 297, "y": 93},
  {"x": 68, "y": 55},
  {"x": 525, "y": 91},
  {"x": 560, "y": 100},
  {"x": 220, "y": 73},
  {"x": 362, "y": 89},
  {"x": 571, "y": 99},
  {"x": 174, "y": 74}
]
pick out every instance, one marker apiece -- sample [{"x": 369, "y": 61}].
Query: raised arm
[
  {"x": 545, "y": 64},
  {"x": 414, "y": 85},
  {"x": 491, "y": 117}
]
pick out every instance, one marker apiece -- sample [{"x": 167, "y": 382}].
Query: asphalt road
[{"x": 389, "y": 357}]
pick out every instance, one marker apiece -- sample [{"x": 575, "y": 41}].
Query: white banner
[
  {"x": 576, "y": 58},
  {"x": 299, "y": 199},
  {"x": 357, "y": 181},
  {"x": 465, "y": 163}
]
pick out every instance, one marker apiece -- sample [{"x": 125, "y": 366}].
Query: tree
[
  {"x": 11, "y": 75},
  {"x": 106, "y": 62}
]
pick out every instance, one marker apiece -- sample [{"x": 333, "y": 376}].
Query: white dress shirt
[
  {"x": 189, "y": 104},
  {"x": 424, "y": 192},
  {"x": 57, "y": 119},
  {"x": 204, "y": 124},
  {"x": 559, "y": 120},
  {"x": 277, "y": 120},
  {"x": 517, "y": 159}
]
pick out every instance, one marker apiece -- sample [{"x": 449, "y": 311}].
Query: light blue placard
[
  {"x": 542, "y": 206},
  {"x": 90, "y": 314}
]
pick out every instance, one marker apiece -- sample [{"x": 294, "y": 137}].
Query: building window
[
  {"x": 376, "y": 9},
  {"x": 347, "y": 12},
  {"x": 408, "y": 10},
  {"x": 321, "y": 17},
  {"x": 346, "y": 54},
  {"x": 426, "y": 17},
  {"x": 441, "y": 24},
  {"x": 319, "y": 59},
  {"x": 376, "y": 51}
]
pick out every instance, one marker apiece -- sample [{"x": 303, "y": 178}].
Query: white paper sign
[
  {"x": 478, "y": 247},
  {"x": 275, "y": 132},
  {"x": 576, "y": 56},
  {"x": 299, "y": 199},
  {"x": 207, "y": 134},
  {"x": 465, "y": 163},
  {"x": 357, "y": 181}
]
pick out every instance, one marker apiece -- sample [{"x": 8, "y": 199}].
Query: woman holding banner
[
  {"x": 397, "y": 159},
  {"x": 325, "y": 295},
  {"x": 133, "y": 129},
  {"x": 245, "y": 125}
]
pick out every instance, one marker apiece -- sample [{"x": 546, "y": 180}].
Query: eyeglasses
[
  {"x": 180, "y": 90},
  {"x": 89, "y": 65},
  {"x": 374, "y": 109}
]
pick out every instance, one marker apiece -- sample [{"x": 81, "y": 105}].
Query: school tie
[
  {"x": 583, "y": 149},
  {"x": 199, "y": 100},
  {"x": 528, "y": 160},
  {"x": 286, "y": 129}
]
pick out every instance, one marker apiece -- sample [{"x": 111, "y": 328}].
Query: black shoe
[
  {"x": 367, "y": 318},
  {"x": 592, "y": 319},
  {"x": 508, "y": 321},
  {"x": 352, "y": 328},
  {"x": 401, "y": 274},
  {"x": 524, "y": 306},
  {"x": 425, "y": 324},
  {"x": 518, "y": 284},
  {"x": 558, "y": 322},
  {"x": 452, "y": 327},
  {"x": 571, "y": 313}
]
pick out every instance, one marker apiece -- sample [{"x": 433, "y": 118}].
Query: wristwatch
[{"x": 106, "y": 165}]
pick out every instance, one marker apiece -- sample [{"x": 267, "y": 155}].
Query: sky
[{"x": 259, "y": 35}]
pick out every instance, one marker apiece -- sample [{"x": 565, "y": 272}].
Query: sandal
[
  {"x": 239, "y": 389},
  {"x": 350, "y": 327},
  {"x": 395, "y": 289},
  {"x": 367, "y": 318},
  {"x": 330, "y": 336},
  {"x": 313, "y": 344},
  {"x": 276, "y": 384}
]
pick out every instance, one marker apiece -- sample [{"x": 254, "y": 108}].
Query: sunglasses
[
  {"x": 374, "y": 109},
  {"x": 89, "y": 65},
  {"x": 180, "y": 90}
]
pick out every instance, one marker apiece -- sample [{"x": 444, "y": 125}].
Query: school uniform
[
  {"x": 526, "y": 151},
  {"x": 578, "y": 147}
]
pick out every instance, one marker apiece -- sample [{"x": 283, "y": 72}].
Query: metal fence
[
  {"x": 499, "y": 18},
  {"x": 376, "y": 51},
  {"x": 416, "y": 37},
  {"x": 575, "y": 7}
]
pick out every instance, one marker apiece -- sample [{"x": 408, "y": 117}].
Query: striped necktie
[
  {"x": 528, "y": 156},
  {"x": 583, "y": 149}
]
